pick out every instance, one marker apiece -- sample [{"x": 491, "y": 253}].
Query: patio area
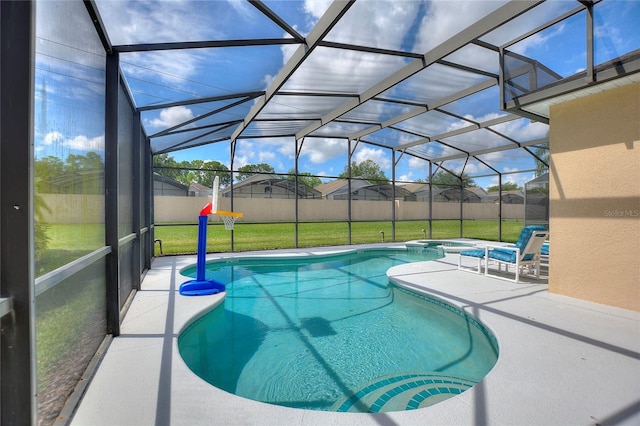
[{"x": 562, "y": 360}]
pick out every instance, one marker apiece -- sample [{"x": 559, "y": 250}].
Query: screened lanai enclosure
[{"x": 98, "y": 97}]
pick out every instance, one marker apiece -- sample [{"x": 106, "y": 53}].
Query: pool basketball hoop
[
  {"x": 201, "y": 285},
  {"x": 229, "y": 218}
]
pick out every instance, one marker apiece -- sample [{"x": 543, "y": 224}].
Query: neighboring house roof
[
  {"x": 167, "y": 184},
  {"x": 340, "y": 188},
  {"x": 421, "y": 190},
  {"x": 455, "y": 194},
  {"x": 164, "y": 179},
  {"x": 82, "y": 181},
  {"x": 480, "y": 192},
  {"x": 508, "y": 197},
  {"x": 408, "y": 192},
  {"x": 264, "y": 180},
  {"x": 329, "y": 187},
  {"x": 416, "y": 187},
  {"x": 198, "y": 190},
  {"x": 540, "y": 180}
]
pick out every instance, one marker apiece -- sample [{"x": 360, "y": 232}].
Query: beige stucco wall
[{"x": 595, "y": 198}]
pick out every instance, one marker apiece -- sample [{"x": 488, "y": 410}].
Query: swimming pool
[{"x": 330, "y": 332}]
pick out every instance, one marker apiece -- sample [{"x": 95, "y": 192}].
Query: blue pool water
[{"x": 332, "y": 333}]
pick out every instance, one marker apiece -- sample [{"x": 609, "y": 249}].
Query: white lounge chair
[{"x": 524, "y": 254}]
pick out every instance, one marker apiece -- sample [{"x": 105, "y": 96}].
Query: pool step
[{"x": 404, "y": 392}]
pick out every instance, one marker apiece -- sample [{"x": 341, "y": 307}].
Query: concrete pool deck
[{"x": 562, "y": 361}]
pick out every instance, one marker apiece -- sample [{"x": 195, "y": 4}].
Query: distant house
[
  {"x": 199, "y": 190},
  {"x": 264, "y": 185},
  {"x": 163, "y": 185},
  {"x": 363, "y": 190},
  {"x": 442, "y": 195},
  {"x": 508, "y": 197},
  {"x": 92, "y": 182},
  {"x": 480, "y": 192},
  {"x": 420, "y": 190},
  {"x": 327, "y": 189},
  {"x": 80, "y": 182}
]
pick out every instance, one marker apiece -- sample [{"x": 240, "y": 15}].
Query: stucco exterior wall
[{"x": 595, "y": 198}]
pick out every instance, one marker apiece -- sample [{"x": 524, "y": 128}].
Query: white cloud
[
  {"x": 266, "y": 156},
  {"x": 446, "y": 18},
  {"x": 144, "y": 21},
  {"x": 377, "y": 155},
  {"x": 53, "y": 137},
  {"x": 84, "y": 143},
  {"x": 364, "y": 24},
  {"x": 333, "y": 69},
  {"x": 538, "y": 39},
  {"x": 520, "y": 130},
  {"x": 321, "y": 150},
  {"x": 241, "y": 7},
  {"x": 523, "y": 130},
  {"x": 170, "y": 117},
  {"x": 519, "y": 178},
  {"x": 316, "y": 8},
  {"x": 241, "y": 160},
  {"x": 77, "y": 143},
  {"x": 170, "y": 67},
  {"x": 256, "y": 151},
  {"x": 416, "y": 162},
  {"x": 245, "y": 153}
]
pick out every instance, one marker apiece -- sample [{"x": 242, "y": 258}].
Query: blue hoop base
[{"x": 201, "y": 288}]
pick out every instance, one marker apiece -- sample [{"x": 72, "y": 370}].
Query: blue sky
[{"x": 67, "y": 88}]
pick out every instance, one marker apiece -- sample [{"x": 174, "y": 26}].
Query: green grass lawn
[
  {"x": 182, "y": 239},
  {"x": 69, "y": 242}
]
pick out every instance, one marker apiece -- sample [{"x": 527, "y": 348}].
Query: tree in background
[
  {"x": 77, "y": 174},
  {"x": 305, "y": 177},
  {"x": 251, "y": 169},
  {"x": 443, "y": 179},
  {"x": 45, "y": 170},
  {"x": 507, "y": 186},
  {"x": 89, "y": 162},
  {"x": 166, "y": 165},
  {"x": 203, "y": 172},
  {"x": 368, "y": 170},
  {"x": 186, "y": 172}
]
